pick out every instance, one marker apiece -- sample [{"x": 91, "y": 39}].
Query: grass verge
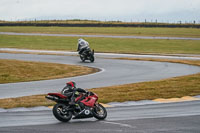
[
  {"x": 21, "y": 71},
  {"x": 168, "y": 88},
  {"x": 117, "y": 45},
  {"x": 138, "y": 31}
]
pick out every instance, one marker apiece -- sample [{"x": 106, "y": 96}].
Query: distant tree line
[{"x": 106, "y": 24}]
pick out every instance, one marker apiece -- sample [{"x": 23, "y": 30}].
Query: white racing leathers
[{"x": 82, "y": 44}]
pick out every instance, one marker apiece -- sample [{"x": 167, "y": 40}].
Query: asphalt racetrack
[
  {"x": 168, "y": 117},
  {"x": 113, "y": 72},
  {"x": 160, "y": 118}
]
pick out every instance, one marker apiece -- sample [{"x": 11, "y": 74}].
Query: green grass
[
  {"x": 173, "y": 32},
  {"x": 116, "y": 45}
]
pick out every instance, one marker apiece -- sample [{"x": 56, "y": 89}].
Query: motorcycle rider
[
  {"x": 82, "y": 45},
  {"x": 70, "y": 89}
]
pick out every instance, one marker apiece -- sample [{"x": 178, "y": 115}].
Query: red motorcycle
[{"x": 64, "y": 111}]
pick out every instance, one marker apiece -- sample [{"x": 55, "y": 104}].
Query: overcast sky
[{"x": 123, "y": 10}]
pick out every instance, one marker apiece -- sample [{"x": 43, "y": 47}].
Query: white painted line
[{"x": 120, "y": 124}]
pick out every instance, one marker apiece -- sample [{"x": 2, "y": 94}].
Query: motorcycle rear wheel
[
  {"x": 99, "y": 112},
  {"x": 60, "y": 112}
]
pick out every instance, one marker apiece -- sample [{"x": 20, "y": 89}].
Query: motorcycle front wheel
[
  {"x": 99, "y": 112},
  {"x": 92, "y": 58},
  {"x": 82, "y": 58},
  {"x": 61, "y": 113}
]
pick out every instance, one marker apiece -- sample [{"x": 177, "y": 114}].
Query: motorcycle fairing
[
  {"x": 89, "y": 101},
  {"x": 86, "y": 113}
]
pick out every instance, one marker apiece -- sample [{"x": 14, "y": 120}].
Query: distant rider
[
  {"x": 82, "y": 45},
  {"x": 70, "y": 89}
]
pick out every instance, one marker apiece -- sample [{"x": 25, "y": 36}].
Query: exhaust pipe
[{"x": 56, "y": 99}]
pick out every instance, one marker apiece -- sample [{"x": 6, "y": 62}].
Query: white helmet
[{"x": 80, "y": 39}]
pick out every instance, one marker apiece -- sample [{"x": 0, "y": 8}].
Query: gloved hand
[{"x": 87, "y": 93}]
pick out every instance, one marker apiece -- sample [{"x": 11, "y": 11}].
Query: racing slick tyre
[
  {"x": 91, "y": 58},
  {"x": 82, "y": 58},
  {"x": 60, "y": 112},
  {"x": 99, "y": 112}
]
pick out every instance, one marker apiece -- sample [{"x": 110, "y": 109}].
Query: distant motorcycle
[
  {"x": 63, "y": 111},
  {"x": 87, "y": 54}
]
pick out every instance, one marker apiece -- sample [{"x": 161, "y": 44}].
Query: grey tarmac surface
[
  {"x": 104, "y": 36},
  {"x": 186, "y": 124},
  {"x": 107, "y": 55},
  {"x": 169, "y": 117},
  {"x": 113, "y": 72},
  {"x": 183, "y": 117}
]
